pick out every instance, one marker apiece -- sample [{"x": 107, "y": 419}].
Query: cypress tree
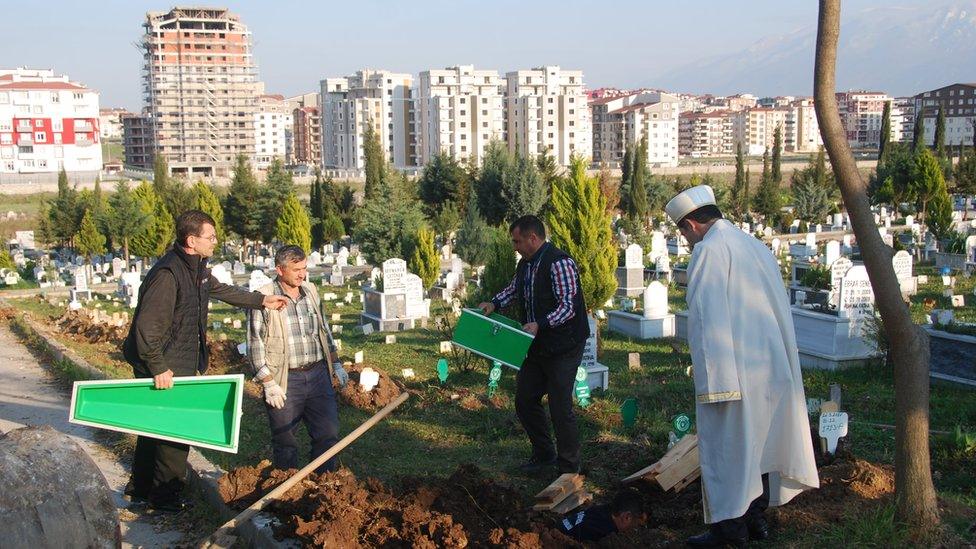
[
  {"x": 205, "y": 200},
  {"x": 473, "y": 237},
  {"x": 940, "y": 146},
  {"x": 374, "y": 160},
  {"x": 767, "y": 200},
  {"x": 64, "y": 213},
  {"x": 626, "y": 178},
  {"x": 885, "y": 136},
  {"x": 940, "y": 211},
  {"x": 638, "y": 185},
  {"x": 496, "y": 164},
  {"x": 499, "y": 264},
  {"x": 424, "y": 261},
  {"x": 740, "y": 187},
  {"x": 918, "y": 133},
  {"x": 160, "y": 230},
  {"x": 241, "y": 205},
  {"x": 580, "y": 224},
  {"x": 316, "y": 209},
  {"x": 125, "y": 218},
  {"x": 293, "y": 226},
  {"x": 89, "y": 240},
  {"x": 777, "y": 170}
]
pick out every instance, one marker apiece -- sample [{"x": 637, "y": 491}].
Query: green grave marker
[
  {"x": 442, "y": 370},
  {"x": 494, "y": 376},
  {"x": 582, "y": 389},
  {"x": 628, "y": 410}
]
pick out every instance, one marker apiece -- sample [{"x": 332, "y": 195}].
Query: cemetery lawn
[{"x": 442, "y": 426}]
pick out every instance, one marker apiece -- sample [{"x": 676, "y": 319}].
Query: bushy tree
[
  {"x": 159, "y": 231},
  {"x": 473, "y": 236},
  {"x": 278, "y": 187},
  {"x": 609, "y": 188},
  {"x": 491, "y": 180},
  {"x": 384, "y": 231},
  {"x": 446, "y": 220},
  {"x": 374, "y": 159},
  {"x": 242, "y": 203},
  {"x": 332, "y": 227},
  {"x": 812, "y": 190},
  {"x": 499, "y": 264},
  {"x": 293, "y": 227},
  {"x": 927, "y": 179},
  {"x": 444, "y": 180},
  {"x": 739, "y": 195},
  {"x": 6, "y": 262},
  {"x": 767, "y": 199},
  {"x": 90, "y": 240},
  {"x": 424, "y": 261},
  {"x": 125, "y": 218},
  {"x": 205, "y": 200},
  {"x": 64, "y": 214},
  {"x": 892, "y": 180},
  {"x": 580, "y": 225},
  {"x": 548, "y": 169},
  {"x": 173, "y": 191},
  {"x": 940, "y": 212},
  {"x": 637, "y": 188},
  {"x": 523, "y": 190}
]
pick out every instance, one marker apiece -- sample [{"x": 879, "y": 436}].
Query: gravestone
[
  {"x": 597, "y": 375},
  {"x": 838, "y": 269},
  {"x": 220, "y": 273},
  {"x": 118, "y": 267},
  {"x": 656, "y": 320},
  {"x": 336, "y": 278},
  {"x": 394, "y": 271},
  {"x": 663, "y": 266},
  {"x": 659, "y": 246},
  {"x": 856, "y": 299},
  {"x": 258, "y": 279},
  {"x": 832, "y": 252},
  {"x": 129, "y": 284},
  {"x": 314, "y": 259},
  {"x": 417, "y": 306},
  {"x": 630, "y": 277},
  {"x": 902, "y": 264}
]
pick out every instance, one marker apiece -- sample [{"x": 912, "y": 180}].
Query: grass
[{"x": 432, "y": 433}]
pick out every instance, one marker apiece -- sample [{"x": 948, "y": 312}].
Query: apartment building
[
  {"x": 138, "y": 142},
  {"x": 755, "y": 128},
  {"x": 622, "y": 121},
  {"x": 861, "y": 113},
  {"x": 307, "y": 136},
  {"x": 801, "y": 132},
  {"x": 301, "y": 101},
  {"x": 906, "y": 124},
  {"x": 458, "y": 110},
  {"x": 705, "y": 134},
  {"x": 547, "y": 110},
  {"x": 110, "y": 123},
  {"x": 272, "y": 124},
  {"x": 378, "y": 97},
  {"x": 958, "y": 101},
  {"x": 201, "y": 88},
  {"x": 47, "y": 123}
]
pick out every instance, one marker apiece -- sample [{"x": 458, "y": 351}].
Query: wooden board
[
  {"x": 672, "y": 456},
  {"x": 686, "y": 466},
  {"x": 572, "y": 502},
  {"x": 560, "y": 489}
]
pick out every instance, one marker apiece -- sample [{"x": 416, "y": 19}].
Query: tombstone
[
  {"x": 856, "y": 299},
  {"x": 776, "y": 245},
  {"x": 910, "y": 221},
  {"x": 663, "y": 266},
  {"x": 838, "y": 269},
  {"x": 630, "y": 277},
  {"x": 11, "y": 278},
  {"x": 258, "y": 279},
  {"x": 342, "y": 258},
  {"x": 417, "y": 306},
  {"x": 818, "y": 228},
  {"x": 888, "y": 240},
  {"x": 597, "y": 375},
  {"x": 446, "y": 252},
  {"x": 832, "y": 252},
  {"x": 656, "y": 321},
  {"x": 220, "y": 273},
  {"x": 902, "y": 264},
  {"x": 971, "y": 248},
  {"x": 767, "y": 232},
  {"x": 659, "y": 245},
  {"x": 314, "y": 259},
  {"x": 374, "y": 276},
  {"x": 129, "y": 284},
  {"x": 457, "y": 266},
  {"x": 655, "y": 300},
  {"x": 336, "y": 278},
  {"x": 811, "y": 241},
  {"x": 884, "y": 211},
  {"x": 360, "y": 261},
  {"x": 838, "y": 221},
  {"x": 394, "y": 271},
  {"x": 118, "y": 267}
]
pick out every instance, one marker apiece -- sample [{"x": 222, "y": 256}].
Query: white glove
[
  {"x": 274, "y": 395},
  {"x": 340, "y": 373}
]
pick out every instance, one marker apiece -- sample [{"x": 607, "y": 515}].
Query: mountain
[{"x": 898, "y": 50}]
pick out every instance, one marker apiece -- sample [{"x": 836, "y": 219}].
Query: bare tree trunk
[{"x": 915, "y": 494}]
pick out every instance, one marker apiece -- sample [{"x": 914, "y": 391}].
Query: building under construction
[{"x": 200, "y": 86}]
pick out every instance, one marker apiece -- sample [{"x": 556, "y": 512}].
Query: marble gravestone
[
  {"x": 597, "y": 375},
  {"x": 656, "y": 320},
  {"x": 390, "y": 310},
  {"x": 630, "y": 277}
]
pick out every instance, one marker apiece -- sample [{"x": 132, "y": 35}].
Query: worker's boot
[
  {"x": 723, "y": 534},
  {"x": 133, "y": 494},
  {"x": 537, "y": 466},
  {"x": 758, "y": 528}
]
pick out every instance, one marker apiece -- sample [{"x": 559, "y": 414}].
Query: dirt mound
[
  {"x": 81, "y": 325},
  {"x": 384, "y": 393},
  {"x": 224, "y": 358},
  {"x": 337, "y": 510}
]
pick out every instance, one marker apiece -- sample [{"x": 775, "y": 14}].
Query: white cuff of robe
[{"x": 710, "y": 398}]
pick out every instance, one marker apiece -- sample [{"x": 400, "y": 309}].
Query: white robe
[{"x": 751, "y": 410}]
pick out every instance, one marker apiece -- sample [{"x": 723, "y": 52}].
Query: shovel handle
[{"x": 222, "y": 535}]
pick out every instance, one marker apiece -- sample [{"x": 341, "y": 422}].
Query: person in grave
[
  {"x": 294, "y": 357},
  {"x": 168, "y": 337},
  {"x": 754, "y": 434},
  {"x": 547, "y": 285}
]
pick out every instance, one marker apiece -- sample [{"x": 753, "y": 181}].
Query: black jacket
[
  {"x": 552, "y": 341},
  {"x": 169, "y": 328}
]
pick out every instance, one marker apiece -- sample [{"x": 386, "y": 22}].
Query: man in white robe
[{"x": 753, "y": 431}]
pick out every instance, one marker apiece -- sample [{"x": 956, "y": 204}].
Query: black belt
[{"x": 307, "y": 367}]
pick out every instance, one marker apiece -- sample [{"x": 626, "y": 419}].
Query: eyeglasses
[{"x": 212, "y": 238}]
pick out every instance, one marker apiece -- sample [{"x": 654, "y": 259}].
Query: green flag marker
[
  {"x": 582, "y": 389},
  {"x": 628, "y": 410},
  {"x": 494, "y": 375},
  {"x": 681, "y": 424},
  {"x": 442, "y": 370}
]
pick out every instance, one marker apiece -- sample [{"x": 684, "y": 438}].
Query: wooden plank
[
  {"x": 560, "y": 488},
  {"x": 672, "y": 456},
  {"x": 572, "y": 502},
  {"x": 672, "y": 475},
  {"x": 695, "y": 475}
]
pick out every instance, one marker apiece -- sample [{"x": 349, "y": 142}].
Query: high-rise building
[
  {"x": 801, "y": 133},
  {"x": 307, "y": 132},
  {"x": 906, "y": 124},
  {"x": 547, "y": 110},
  {"x": 47, "y": 123},
  {"x": 271, "y": 125},
  {"x": 458, "y": 110},
  {"x": 755, "y": 128},
  {"x": 349, "y": 104},
  {"x": 861, "y": 113},
  {"x": 705, "y": 134},
  {"x": 310, "y": 99},
  {"x": 110, "y": 123},
  {"x": 201, "y": 87},
  {"x": 958, "y": 102},
  {"x": 622, "y": 121}
]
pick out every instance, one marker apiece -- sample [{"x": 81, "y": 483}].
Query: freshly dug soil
[
  {"x": 79, "y": 324},
  {"x": 224, "y": 358},
  {"x": 337, "y": 510},
  {"x": 385, "y": 392}
]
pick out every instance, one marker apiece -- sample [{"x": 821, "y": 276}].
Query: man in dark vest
[
  {"x": 168, "y": 337},
  {"x": 547, "y": 287}
]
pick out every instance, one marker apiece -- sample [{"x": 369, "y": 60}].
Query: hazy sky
[{"x": 621, "y": 44}]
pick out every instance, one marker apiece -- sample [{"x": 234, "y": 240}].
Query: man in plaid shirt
[
  {"x": 294, "y": 357},
  {"x": 547, "y": 286}
]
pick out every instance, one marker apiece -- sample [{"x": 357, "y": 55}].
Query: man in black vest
[
  {"x": 168, "y": 337},
  {"x": 547, "y": 287}
]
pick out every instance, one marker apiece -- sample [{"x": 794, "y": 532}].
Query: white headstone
[
  {"x": 257, "y": 280},
  {"x": 414, "y": 288},
  {"x": 634, "y": 257},
  {"x": 856, "y": 298},
  {"x": 902, "y": 263},
  {"x": 314, "y": 259},
  {"x": 910, "y": 221},
  {"x": 659, "y": 245},
  {"x": 776, "y": 244},
  {"x": 811, "y": 240},
  {"x": 81, "y": 278},
  {"x": 655, "y": 300},
  {"x": 457, "y": 266},
  {"x": 220, "y": 273},
  {"x": 838, "y": 269},
  {"x": 833, "y": 252},
  {"x": 394, "y": 271},
  {"x": 118, "y": 267}
]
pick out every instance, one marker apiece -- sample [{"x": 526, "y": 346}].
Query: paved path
[{"x": 30, "y": 395}]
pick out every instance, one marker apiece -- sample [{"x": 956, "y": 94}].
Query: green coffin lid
[
  {"x": 202, "y": 411},
  {"x": 496, "y": 337}
]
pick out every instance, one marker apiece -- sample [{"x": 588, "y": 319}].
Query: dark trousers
[
  {"x": 310, "y": 399},
  {"x": 739, "y": 527},
  {"x": 158, "y": 466},
  {"x": 556, "y": 377}
]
